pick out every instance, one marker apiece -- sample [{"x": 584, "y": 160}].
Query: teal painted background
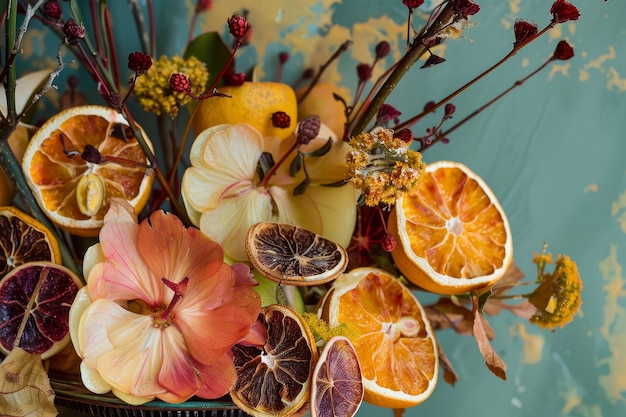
[{"x": 554, "y": 152}]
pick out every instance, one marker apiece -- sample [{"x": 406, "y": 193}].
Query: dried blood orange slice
[
  {"x": 80, "y": 159},
  {"x": 294, "y": 255},
  {"x": 453, "y": 236},
  {"x": 23, "y": 239},
  {"x": 396, "y": 346},
  {"x": 337, "y": 388},
  {"x": 275, "y": 379},
  {"x": 35, "y": 301}
]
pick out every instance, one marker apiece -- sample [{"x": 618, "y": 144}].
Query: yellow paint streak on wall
[
  {"x": 613, "y": 329},
  {"x": 618, "y": 210},
  {"x": 591, "y": 188},
  {"x": 562, "y": 69},
  {"x": 615, "y": 81},
  {"x": 533, "y": 343}
]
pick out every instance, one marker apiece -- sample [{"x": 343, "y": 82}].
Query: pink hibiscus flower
[{"x": 160, "y": 311}]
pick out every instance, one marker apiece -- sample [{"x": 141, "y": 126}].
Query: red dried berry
[
  {"x": 283, "y": 57},
  {"x": 139, "y": 62},
  {"x": 405, "y": 135},
  {"x": 364, "y": 72},
  {"x": 52, "y": 9},
  {"x": 180, "y": 83},
  {"x": 238, "y": 26},
  {"x": 563, "y": 51},
  {"x": 234, "y": 78},
  {"x": 449, "y": 110},
  {"x": 281, "y": 120},
  {"x": 412, "y": 4},
  {"x": 382, "y": 49},
  {"x": 523, "y": 32},
  {"x": 73, "y": 32},
  {"x": 386, "y": 113},
  {"x": 563, "y": 11},
  {"x": 388, "y": 243},
  {"x": 308, "y": 129},
  {"x": 203, "y": 5}
]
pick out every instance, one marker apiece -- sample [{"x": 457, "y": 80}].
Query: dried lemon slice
[{"x": 294, "y": 255}]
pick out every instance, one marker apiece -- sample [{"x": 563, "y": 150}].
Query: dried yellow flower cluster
[
  {"x": 153, "y": 91},
  {"x": 558, "y": 296},
  {"x": 383, "y": 167},
  {"x": 322, "y": 331}
]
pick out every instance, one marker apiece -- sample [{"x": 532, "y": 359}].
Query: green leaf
[
  {"x": 322, "y": 150},
  {"x": 210, "y": 49},
  {"x": 482, "y": 299},
  {"x": 296, "y": 164},
  {"x": 300, "y": 188},
  {"x": 265, "y": 163},
  {"x": 339, "y": 183}
]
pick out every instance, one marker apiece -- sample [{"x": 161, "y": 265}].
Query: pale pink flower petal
[
  {"x": 216, "y": 379},
  {"x": 176, "y": 375}
]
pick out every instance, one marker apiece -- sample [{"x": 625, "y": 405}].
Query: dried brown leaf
[
  {"x": 449, "y": 375},
  {"x": 492, "y": 360},
  {"x": 445, "y": 314},
  {"x": 24, "y": 386}
]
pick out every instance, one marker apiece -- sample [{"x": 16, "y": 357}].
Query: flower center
[{"x": 163, "y": 318}]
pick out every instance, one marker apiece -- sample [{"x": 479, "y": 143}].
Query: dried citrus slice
[
  {"x": 294, "y": 255},
  {"x": 396, "y": 346},
  {"x": 80, "y": 159},
  {"x": 453, "y": 235},
  {"x": 337, "y": 388},
  {"x": 275, "y": 379},
  {"x": 23, "y": 239},
  {"x": 44, "y": 291}
]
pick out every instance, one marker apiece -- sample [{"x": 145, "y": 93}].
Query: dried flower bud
[
  {"x": 52, "y": 9},
  {"x": 139, "y": 62},
  {"x": 563, "y": 11},
  {"x": 364, "y": 71},
  {"x": 523, "y": 32},
  {"x": 308, "y": 73},
  {"x": 412, "y": 4},
  {"x": 115, "y": 99},
  {"x": 234, "y": 78},
  {"x": 386, "y": 112},
  {"x": 563, "y": 51},
  {"x": 463, "y": 9},
  {"x": 388, "y": 243},
  {"x": 382, "y": 49},
  {"x": 73, "y": 32},
  {"x": 283, "y": 57},
  {"x": 433, "y": 60},
  {"x": 238, "y": 26},
  {"x": 449, "y": 110},
  {"x": 91, "y": 154},
  {"x": 281, "y": 120},
  {"x": 308, "y": 129},
  {"x": 429, "y": 105},
  {"x": 405, "y": 135},
  {"x": 203, "y": 5},
  {"x": 180, "y": 83}
]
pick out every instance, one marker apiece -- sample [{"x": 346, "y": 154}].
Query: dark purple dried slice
[
  {"x": 274, "y": 379},
  {"x": 43, "y": 293},
  {"x": 294, "y": 255},
  {"x": 337, "y": 389}
]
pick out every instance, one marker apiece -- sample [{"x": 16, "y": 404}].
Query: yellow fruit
[
  {"x": 453, "y": 236},
  {"x": 75, "y": 192},
  {"x": 396, "y": 347},
  {"x": 252, "y": 103},
  {"x": 320, "y": 101},
  {"x": 18, "y": 142}
]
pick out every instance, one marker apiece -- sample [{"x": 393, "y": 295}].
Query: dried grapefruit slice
[
  {"x": 453, "y": 235},
  {"x": 396, "y": 347},
  {"x": 275, "y": 379},
  {"x": 294, "y": 255},
  {"x": 23, "y": 239},
  {"x": 43, "y": 291},
  {"x": 80, "y": 159},
  {"x": 337, "y": 388}
]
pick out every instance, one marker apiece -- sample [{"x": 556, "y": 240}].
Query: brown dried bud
[
  {"x": 281, "y": 120},
  {"x": 234, "y": 78},
  {"x": 364, "y": 72},
  {"x": 463, "y": 9},
  {"x": 180, "y": 83},
  {"x": 73, "y": 32},
  {"x": 388, "y": 243},
  {"x": 449, "y": 110},
  {"x": 139, "y": 62},
  {"x": 563, "y": 11},
  {"x": 308, "y": 129},
  {"x": 238, "y": 26},
  {"x": 523, "y": 32},
  {"x": 382, "y": 49},
  {"x": 283, "y": 57},
  {"x": 91, "y": 154},
  {"x": 433, "y": 60},
  {"x": 203, "y": 5},
  {"x": 412, "y": 4},
  {"x": 563, "y": 51},
  {"x": 405, "y": 135},
  {"x": 52, "y": 9},
  {"x": 115, "y": 99},
  {"x": 386, "y": 112}
]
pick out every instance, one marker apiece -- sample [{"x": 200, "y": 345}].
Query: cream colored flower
[{"x": 225, "y": 194}]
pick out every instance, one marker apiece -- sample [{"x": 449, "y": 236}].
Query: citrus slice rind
[
  {"x": 23, "y": 239},
  {"x": 56, "y": 160},
  {"x": 453, "y": 235},
  {"x": 337, "y": 388},
  {"x": 275, "y": 379},
  {"x": 294, "y": 255},
  {"x": 46, "y": 331},
  {"x": 396, "y": 348}
]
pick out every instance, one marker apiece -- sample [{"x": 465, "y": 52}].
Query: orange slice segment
[
  {"x": 294, "y": 255},
  {"x": 453, "y": 234},
  {"x": 337, "y": 388},
  {"x": 275, "y": 379},
  {"x": 396, "y": 347},
  {"x": 43, "y": 292},
  {"x": 23, "y": 239},
  {"x": 62, "y": 169}
]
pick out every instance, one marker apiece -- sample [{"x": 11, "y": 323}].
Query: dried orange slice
[
  {"x": 275, "y": 379},
  {"x": 80, "y": 159},
  {"x": 337, "y": 388},
  {"x": 396, "y": 346},
  {"x": 43, "y": 291},
  {"x": 23, "y": 239},
  {"x": 294, "y": 255},
  {"x": 453, "y": 234}
]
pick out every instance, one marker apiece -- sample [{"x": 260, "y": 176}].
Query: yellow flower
[
  {"x": 558, "y": 296},
  {"x": 383, "y": 167},
  {"x": 153, "y": 91}
]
